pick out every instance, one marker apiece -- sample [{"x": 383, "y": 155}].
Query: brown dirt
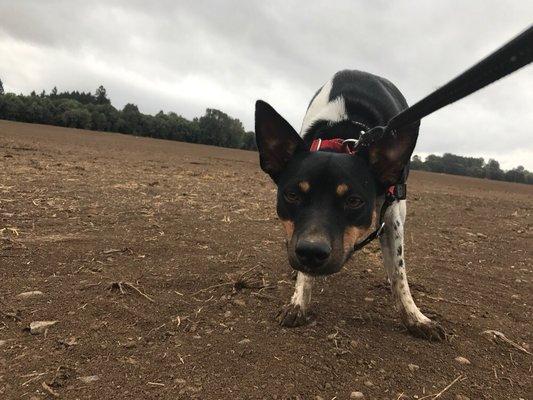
[{"x": 178, "y": 224}]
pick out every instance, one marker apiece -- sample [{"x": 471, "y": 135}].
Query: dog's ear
[
  {"x": 389, "y": 155},
  {"x": 276, "y": 139}
]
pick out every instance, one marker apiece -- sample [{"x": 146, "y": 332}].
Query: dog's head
[{"x": 326, "y": 201}]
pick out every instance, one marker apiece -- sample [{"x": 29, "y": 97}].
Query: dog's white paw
[
  {"x": 292, "y": 315},
  {"x": 429, "y": 330}
]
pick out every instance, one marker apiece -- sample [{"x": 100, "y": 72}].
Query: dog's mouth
[{"x": 317, "y": 272}]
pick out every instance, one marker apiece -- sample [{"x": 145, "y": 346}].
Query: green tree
[
  {"x": 493, "y": 171},
  {"x": 132, "y": 118},
  {"x": 518, "y": 174},
  {"x": 219, "y": 129},
  {"x": 1, "y": 88},
  {"x": 77, "y": 118},
  {"x": 101, "y": 96},
  {"x": 11, "y": 107},
  {"x": 434, "y": 163},
  {"x": 248, "y": 142},
  {"x": 98, "y": 121},
  {"x": 416, "y": 162}
]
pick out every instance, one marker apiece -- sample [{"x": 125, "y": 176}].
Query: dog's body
[{"x": 329, "y": 202}]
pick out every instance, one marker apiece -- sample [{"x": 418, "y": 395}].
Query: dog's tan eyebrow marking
[
  {"x": 304, "y": 186},
  {"x": 342, "y": 189}
]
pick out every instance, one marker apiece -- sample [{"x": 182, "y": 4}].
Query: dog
[{"x": 328, "y": 200}]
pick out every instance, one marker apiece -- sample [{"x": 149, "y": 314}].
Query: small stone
[
  {"x": 327, "y": 386},
  {"x": 317, "y": 397},
  {"x": 369, "y": 299},
  {"x": 461, "y": 397},
  {"x": 239, "y": 302},
  {"x": 2, "y": 342},
  {"x": 354, "y": 343},
  {"x": 368, "y": 383},
  {"x": 27, "y": 295},
  {"x": 130, "y": 344},
  {"x": 180, "y": 381},
  {"x": 245, "y": 341},
  {"x": 413, "y": 367},
  {"x": 38, "y": 327},
  {"x": 71, "y": 341},
  {"x": 89, "y": 379},
  {"x": 227, "y": 314},
  {"x": 357, "y": 395},
  {"x": 193, "y": 389},
  {"x": 462, "y": 360}
]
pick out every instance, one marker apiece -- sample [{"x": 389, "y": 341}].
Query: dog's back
[{"x": 351, "y": 97}]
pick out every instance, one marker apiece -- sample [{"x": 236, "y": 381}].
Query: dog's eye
[
  {"x": 354, "y": 202},
  {"x": 291, "y": 197}
]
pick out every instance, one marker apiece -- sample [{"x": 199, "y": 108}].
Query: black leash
[{"x": 512, "y": 56}]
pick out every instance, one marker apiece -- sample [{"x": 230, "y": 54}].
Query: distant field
[{"x": 136, "y": 243}]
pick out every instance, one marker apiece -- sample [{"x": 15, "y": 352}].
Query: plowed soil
[{"x": 164, "y": 267}]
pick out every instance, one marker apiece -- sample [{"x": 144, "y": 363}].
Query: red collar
[{"x": 334, "y": 145}]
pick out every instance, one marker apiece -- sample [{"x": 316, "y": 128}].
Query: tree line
[
  {"x": 471, "y": 166},
  {"x": 94, "y": 111},
  {"x": 85, "y": 110}
]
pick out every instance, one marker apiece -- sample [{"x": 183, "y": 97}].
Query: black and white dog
[{"x": 329, "y": 199}]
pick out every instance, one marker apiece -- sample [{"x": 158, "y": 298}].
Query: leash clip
[
  {"x": 380, "y": 230},
  {"x": 350, "y": 145}
]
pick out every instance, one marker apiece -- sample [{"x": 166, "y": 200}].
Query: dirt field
[{"x": 164, "y": 265}]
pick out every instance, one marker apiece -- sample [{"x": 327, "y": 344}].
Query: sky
[{"x": 186, "y": 56}]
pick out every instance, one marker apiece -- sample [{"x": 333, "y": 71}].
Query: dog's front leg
[
  {"x": 296, "y": 312},
  {"x": 392, "y": 247}
]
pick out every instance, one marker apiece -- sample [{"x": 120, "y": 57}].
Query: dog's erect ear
[
  {"x": 277, "y": 141},
  {"x": 389, "y": 155}
]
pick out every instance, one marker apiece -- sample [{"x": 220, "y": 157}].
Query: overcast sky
[{"x": 185, "y": 56}]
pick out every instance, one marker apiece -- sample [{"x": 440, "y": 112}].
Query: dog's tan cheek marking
[
  {"x": 352, "y": 235},
  {"x": 289, "y": 228},
  {"x": 342, "y": 189},
  {"x": 374, "y": 216},
  {"x": 304, "y": 186}
]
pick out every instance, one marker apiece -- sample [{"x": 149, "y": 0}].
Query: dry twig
[
  {"x": 497, "y": 335},
  {"x": 120, "y": 286},
  {"x": 437, "y": 395},
  {"x": 49, "y": 389},
  {"x": 238, "y": 283}
]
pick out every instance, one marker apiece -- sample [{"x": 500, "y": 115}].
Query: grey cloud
[{"x": 186, "y": 56}]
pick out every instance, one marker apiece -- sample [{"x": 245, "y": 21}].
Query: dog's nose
[{"x": 312, "y": 253}]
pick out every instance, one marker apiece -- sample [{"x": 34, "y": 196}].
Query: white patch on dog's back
[{"x": 323, "y": 109}]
